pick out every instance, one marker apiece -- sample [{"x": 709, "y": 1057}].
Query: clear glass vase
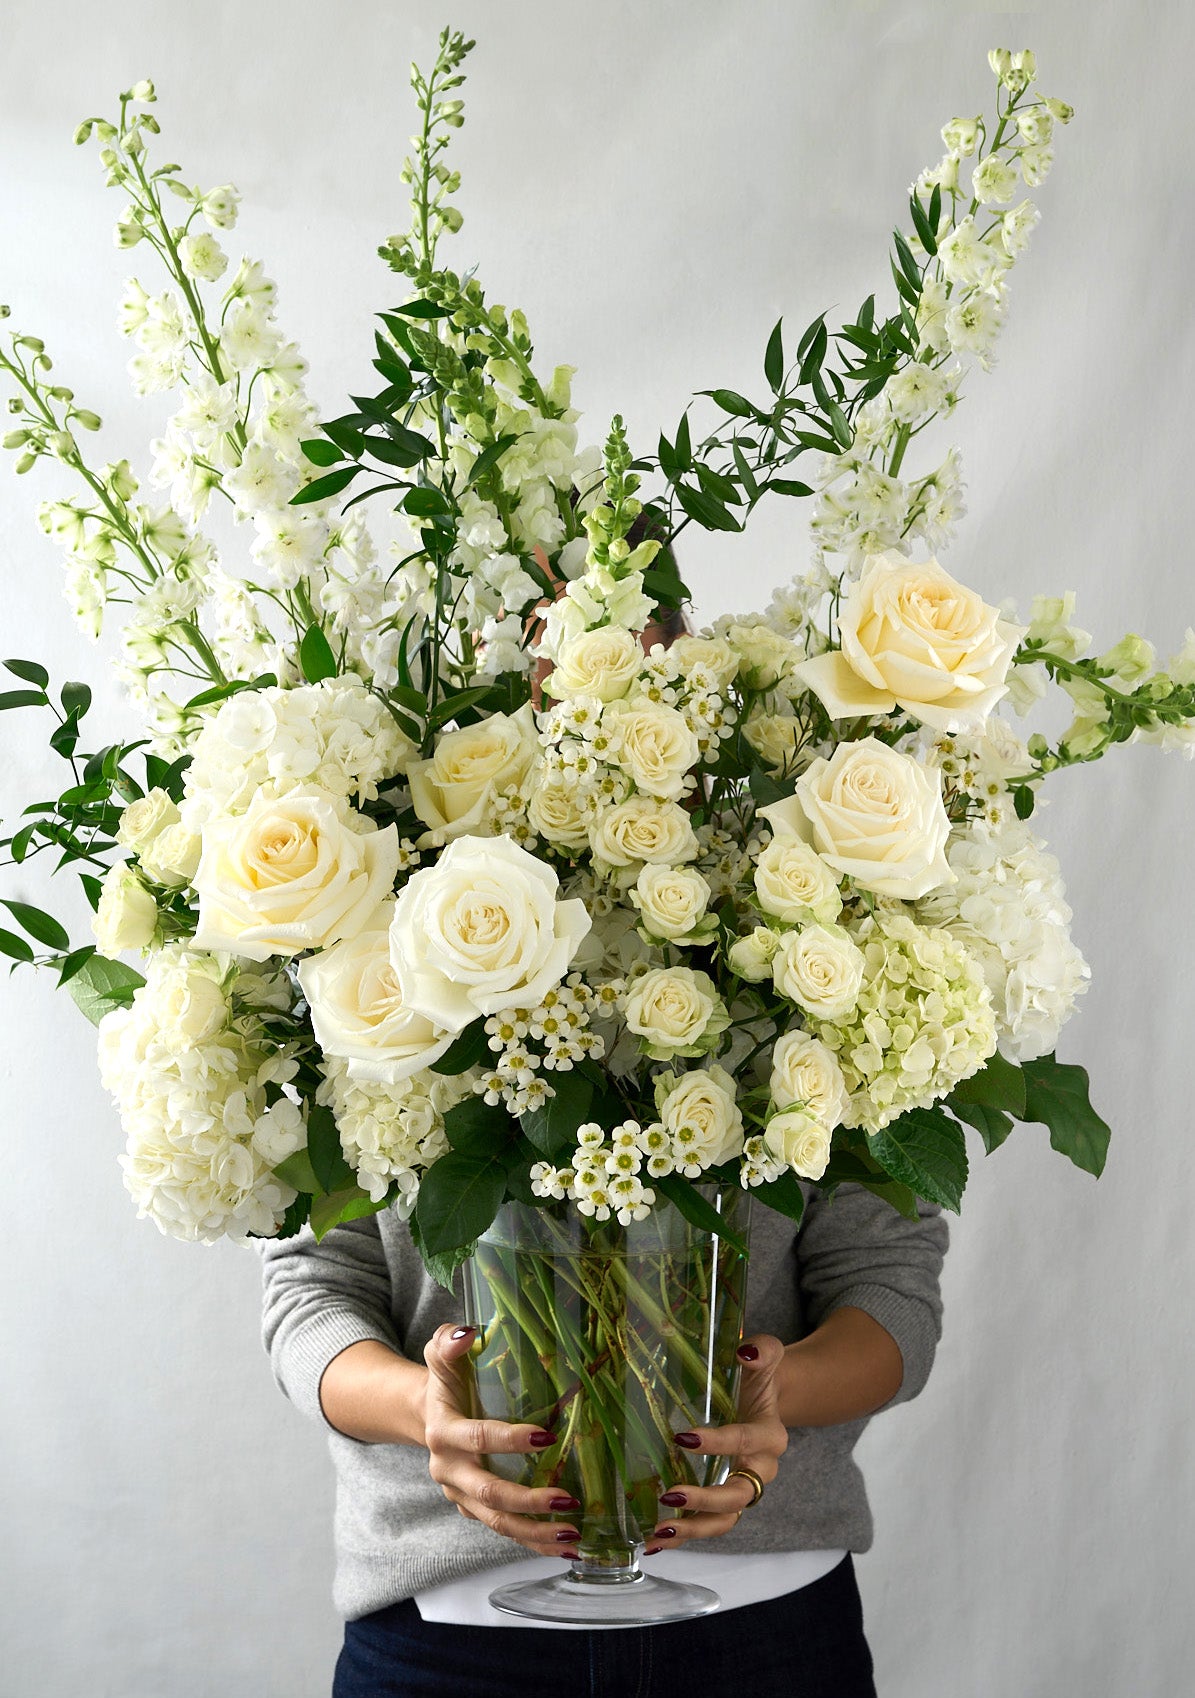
[{"x": 613, "y": 1339}]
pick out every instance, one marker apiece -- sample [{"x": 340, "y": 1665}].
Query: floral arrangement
[{"x": 450, "y": 877}]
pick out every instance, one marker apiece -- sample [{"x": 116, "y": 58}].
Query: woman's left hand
[{"x": 757, "y": 1440}]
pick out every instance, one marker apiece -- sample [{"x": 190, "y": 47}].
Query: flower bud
[{"x": 88, "y": 420}]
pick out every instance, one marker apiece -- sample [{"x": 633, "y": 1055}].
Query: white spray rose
[
  {"x": 482, "y": 930},
  {"x": 143, "y": 820},
  {"x": 805, "y": 1073},
  {"x": 914, "y": 637},
  {"x": 126, "y": 915},
  {"x": 674, "y": 1011},
  {"x": 715, "y": 653},
  {"x": 875, "y": 815},
  {"x": 173, "y": 856},
  {"x": 700, "y": 1111},
  {"x": 453, "y": 791},
  {"x": 654, "y": 746},
  {"x": 357, "y": 1007},
  {"x": 190, "y": 1006},
  {"x": 751, "y": 957},
  {"x": 820, "y": 968},
  {"x": 643, "y": 829},
  {"x": 799, "y": 1140},
  {"x": 672, "y": 902},
  {"x": 294, "y": 872},
  {"x": 602, "y": 663},
  {"x": 794, "y": 884},
  {"x": 554, "y": 811},
  {"x": 765, "y": 657}
]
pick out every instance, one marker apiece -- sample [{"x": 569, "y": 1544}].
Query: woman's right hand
[{"x": 457, "y": 1442}]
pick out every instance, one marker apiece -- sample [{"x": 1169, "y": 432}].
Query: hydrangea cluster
[
  {"x": 1007, "y": 907},
  {"x": 923, "y": 1019},
  {"x": 391, "y": 1132},
  {"x": 200, "y": 1092},
  {"x": 553, "y": 1036}
]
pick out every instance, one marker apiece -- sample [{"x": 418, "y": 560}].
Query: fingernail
[
  {"x": 567, "y": 1536},
  {"x": 569, "y": 1556},
  {"x": 674, "y": 1500},
  {"x": 540, "y": 1440},
  {"x": 749, "y": 1352},
  {"x": 664, "y": 1533},
  {"x": 564, "y": 1503},
  {"x": 653, "y": 1550},
  {"x": 462, "y": 1332},
  {"x": 691, "y": 1441}
]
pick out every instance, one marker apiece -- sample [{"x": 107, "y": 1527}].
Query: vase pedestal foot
[{"x": 609, "y": 1598}]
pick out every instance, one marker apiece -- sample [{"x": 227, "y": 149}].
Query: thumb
[
  {"x": 760, "y": 1357},
  {"x": 443, "y": 1354}
]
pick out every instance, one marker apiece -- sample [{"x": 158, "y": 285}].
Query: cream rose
[
  {"x": 794, "y": 884},
  {"x": 173, "y": 856},
  {"x": 674, "y": 1011},
  {"x": 715, "y": 653},
  {"x": 765, "y": 657},
  {"x": 912, "y": 636},
  {"x": 480, "y": 931},
  {"x": 602, "y": 663},
  {"x": 774, "y": 737},
  {"x": 806, "y": 1074},
  {"x": 820, "y": 968},
  {"x": 145, "y": 819},
  {"x": 642, "y": 829},
  {"x": 654, "y": 746},
  {"x": 294, "y": 872},
  {"x": 875, "y": 815},
  {"x": 189, "y": 1005},
  {"x": 701, "y": 1112},
  {"x": 357, "y": 1007},
  {"x": 126, "y": 916},
  {"x": 751, "y": 957},
  {"x": 555, "y": 814},
  {"x": 672, "y": 902},
  {"x": 452, "y": 792},
  {"x": 800, "y": 1140}
]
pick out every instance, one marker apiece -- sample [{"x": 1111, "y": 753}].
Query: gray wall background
[{"x": 655, "y": 185}]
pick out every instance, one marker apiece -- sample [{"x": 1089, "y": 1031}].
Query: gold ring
[{"x": 756, "y": 1483}]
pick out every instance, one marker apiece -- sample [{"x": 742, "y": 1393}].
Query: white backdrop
[{"x": 655, "y": 185}]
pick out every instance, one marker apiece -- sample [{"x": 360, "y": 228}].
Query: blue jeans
[{"x": 806, "y": 1644}]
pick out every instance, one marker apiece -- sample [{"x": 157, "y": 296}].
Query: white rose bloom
[
  {"x": 453, "y": 791},
  {"x": 775, "y": 738},
  {"x": 701, "y": 1114},
  {"x": 806, "y": 1074},
  {"x": 127, "y": 914},
  {"x": 674, "y": 1011},
  {"x": 765, "y": 657},
  {"x": 555, "y": 811},
  {"x": 751, "y": 957},
  {"x": 143, "y": 820},
  {"x": 820, "y": 968},
  {"x": 875, "y": 815},
  {"x": 799, "y": 1140},
  {"x": 482, "y": 930},
  {"x": 643, "y": 829},
  {"x": 794, "y": 884},
  {"x": 295, "y": 872},
  {"x": 914, "y": 637},
  {"x": 654, "y": 746},
  {"x": 712, "y": 652},
  {"x": 672, "y": 901},
  {"x": 173, "y": 856},
  {"x": 189, "y": 1001},
  {"x": 357, "y": 1007},
  {"x": 602, "y": 663}
]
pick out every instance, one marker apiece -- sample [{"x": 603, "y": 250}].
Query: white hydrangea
[
  {"x": 1008, "y": 908},
  {"x": 190, "y": 1075},
  {"x": 334, "y": 735},
  {"x": 390, "y": 1133}
]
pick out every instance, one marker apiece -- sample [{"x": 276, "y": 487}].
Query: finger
[
  {"x": 546, "y": 1538},
  {"x": 459, "y": 1478},
  {"x": 672, "y": 1534},
  {"x": 450, "y": 1430},
  {"x": 747, "y": 1440},
  {"x": 730, "y": 1499}
]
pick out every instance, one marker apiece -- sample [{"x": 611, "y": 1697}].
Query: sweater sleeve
[
  {"x": 855, "y": 1250},
  {"x": 317, "y": 1299}
]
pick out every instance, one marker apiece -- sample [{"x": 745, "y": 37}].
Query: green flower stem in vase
[{"x": 613, "y": 1338}]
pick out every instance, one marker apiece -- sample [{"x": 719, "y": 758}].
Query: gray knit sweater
[{"x": 396, "y": 1533}]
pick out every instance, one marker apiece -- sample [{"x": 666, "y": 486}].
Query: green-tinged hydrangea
[{"x": 923, "y": 1020}]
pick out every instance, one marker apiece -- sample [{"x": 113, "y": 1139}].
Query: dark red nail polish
[
  {"x": 567, "y": 1536},
  {"x": 674, "y": 1500},
  {"x": 664, "y": 1533},
  {"x": 462, "y": 1332},
  {"x": 563, "y": 1503},
  {"x": 541, "y": 1440},
  {"x": 569, "y": 1556},
  {"x": 653, "y": 1550},
  {"x": 749, "y": 1352},
  {"x": 691, "y": 1441}
]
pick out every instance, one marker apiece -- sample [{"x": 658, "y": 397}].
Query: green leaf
[
  {"x": 553, "y": 1128},
  {"x": 217, "y": 693},
  {"x": 465, "y": 1050},
  {"x": 1056, "y": 1094},
  {"x": 784, "y": 1195},
  {"x": 1024, "y": 801},
  {"x": 773, "y": 359},
  {"x": 706, "y": 509},
  {"x": 101, "y": 985},
  {"x": 349, "y": 1203},
  {"x": 490, "y": 456},
  {"x": 346, "y": 437},
  {"x": 684, "y": 444},
  {"x": 685, "y": 1196},
  {"x": 325, "y": 1151},
  {"x": 315, "y": 655},
  {"x": 721, "y": 488},
  {"x": 1000, "y": 1083},
  {"x": 393, "y": 453},
  {"x": 425, "y": 503},
  {"x": 765, "y": 789},
  {"x": 32, "y": 671},
  {"x": 788, "y": 486},
  {"x": 922, "y": 225},
  {"x": 458, "y": 1199},
  {"x": 442, "y": 1268},
  {"x": 21, "y": 698},
  {"x": 322, "y": 453},
  {"x": 11, "y": 944},
  {"x": 44, "y": 927},
  {"x": 926, "y": 1151},
  {"x": 74, "y": 963},
  {"x": 423, "y": 309},
  {"x": 297, "y": 1170},
  {"x": 731, "y": 402},
  {"x": 852, "y": 1167},
  {"x": 907, "y": 262},
  {"x": 456, "y": 704},
  {"x": 76, "y": 698},
  {"x": 477, "y": 1128},
  {"x": 321, "y": 488},
  {"x": 992, "y": 1124}
]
